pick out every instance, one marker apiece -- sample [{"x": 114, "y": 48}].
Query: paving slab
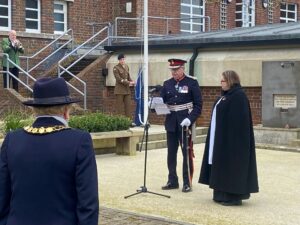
[{"x": 277, "y": 203}]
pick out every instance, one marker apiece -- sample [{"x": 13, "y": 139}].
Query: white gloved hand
[
  {"x": 186, "y": 122},
  {"x": 151, "y": 104}
]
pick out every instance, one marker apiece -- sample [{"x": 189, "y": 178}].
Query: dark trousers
[
  {"x": 173, "y": 141},
  {"x": 123, "y": 103},
  {"x": 14, "y": 71}
]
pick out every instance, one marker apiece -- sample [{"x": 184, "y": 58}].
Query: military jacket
[
  {"x": 178, "y": 93},
  {"x": 123, "y": 78}
]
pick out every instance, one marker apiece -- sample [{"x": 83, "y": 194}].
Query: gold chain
[{"x": 44, "y": 130}]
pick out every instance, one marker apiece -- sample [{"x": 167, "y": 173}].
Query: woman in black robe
[{"x": 229, "y": 161}]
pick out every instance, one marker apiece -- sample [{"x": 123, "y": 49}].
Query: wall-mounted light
[
  {"x": 264, "y": 3},
  {"x": 229, "y": 1}
]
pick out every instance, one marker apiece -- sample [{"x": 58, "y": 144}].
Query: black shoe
[
  {"x": 170, "y": 186},
  {"x": 186, "y": 188},
  {"x": 232, "y": 203}
]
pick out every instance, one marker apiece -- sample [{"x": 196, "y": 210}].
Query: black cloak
[{"x": 233, "y": 168}]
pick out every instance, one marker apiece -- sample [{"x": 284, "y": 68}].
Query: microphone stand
[{"x": 143, "y": 189}]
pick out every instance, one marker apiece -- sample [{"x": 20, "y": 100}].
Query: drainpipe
[{"x": 192, "y": 61}]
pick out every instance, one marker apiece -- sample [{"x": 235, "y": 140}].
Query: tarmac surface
[{"x": 277, "y": 203}]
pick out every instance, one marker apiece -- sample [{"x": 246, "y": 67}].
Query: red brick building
[{"x": 39, "y": 22}]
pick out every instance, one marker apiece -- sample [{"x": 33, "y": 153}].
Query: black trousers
[
  {"x": 14, "y": 71},
  {"x": 173, "y": 141}
]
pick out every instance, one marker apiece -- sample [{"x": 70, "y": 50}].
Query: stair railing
[
  {"x": 166, "y": 19},
  {"x": 8, "y": 73},
  {"x": 62, "y": 69},
  {"x": 68, "y": 32}
]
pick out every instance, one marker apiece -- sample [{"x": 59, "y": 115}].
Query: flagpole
[{"x": 145, "y": 21}]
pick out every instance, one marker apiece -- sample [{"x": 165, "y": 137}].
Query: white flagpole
[{"x": 145, "y": 60}]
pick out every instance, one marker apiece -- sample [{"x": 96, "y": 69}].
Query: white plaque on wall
[{"x": 285, "y": 101}]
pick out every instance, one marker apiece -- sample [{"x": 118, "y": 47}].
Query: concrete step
[
  {"x": 295, "y": 143},
  {"x": 163, "y": 136},
  {"x": 162, "y": 143}
]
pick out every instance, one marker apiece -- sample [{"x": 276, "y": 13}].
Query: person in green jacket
[{"x": 13, "y": 47}]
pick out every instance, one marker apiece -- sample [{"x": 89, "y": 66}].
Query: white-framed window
[
  {"x": 245, "y": 13},
  {"x": 288, "y": 13},
  {"x": 192, "y": 9},
  {"x": 270, "y": 11},
  {"x": 5, "y": 15},
  {"x": 60, "y": 17},
  {"x": 223, "y": 14},
  {"x": 33, "y": 16}
]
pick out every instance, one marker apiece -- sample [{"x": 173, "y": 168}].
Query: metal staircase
[{"x": 82, "y": 52}]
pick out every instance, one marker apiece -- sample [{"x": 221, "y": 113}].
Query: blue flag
[{"x": 139, "y": 99}]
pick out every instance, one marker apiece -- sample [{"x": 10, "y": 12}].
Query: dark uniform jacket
[
  {"x": 233, "y": 168},
  {"x": 13, "y": 52},
  {"x": 187, "y": 90},
  {"x": 48, "y": 179},
  {"x": 122, "y": 79}
]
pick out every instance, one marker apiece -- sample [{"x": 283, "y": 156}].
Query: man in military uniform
[
  {"x": 13, "y": 47},
  {"x": 122, "y": 88},
  {"x": 182, "y": 95},
  {"x": 48, "y": 172}
]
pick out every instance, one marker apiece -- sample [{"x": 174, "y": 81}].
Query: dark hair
[
  {"x": 121, "y": 56},
  {"x": 231, "y": 77}
]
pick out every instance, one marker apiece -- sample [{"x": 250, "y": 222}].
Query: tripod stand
[{"x": 143, "y": 189}]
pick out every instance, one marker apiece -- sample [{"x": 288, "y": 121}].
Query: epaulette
[{"x": 44, "y": 130}]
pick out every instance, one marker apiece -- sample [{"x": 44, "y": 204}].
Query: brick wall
[{"x": 210, "y": 94}]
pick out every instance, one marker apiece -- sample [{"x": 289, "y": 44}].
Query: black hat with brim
[{"x": 50, "y": 92}]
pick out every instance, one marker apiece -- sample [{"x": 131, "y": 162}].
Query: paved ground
[{"x": 277, "y": 203}]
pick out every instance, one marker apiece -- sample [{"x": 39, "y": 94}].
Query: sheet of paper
[{"x": 157, "y": 103}]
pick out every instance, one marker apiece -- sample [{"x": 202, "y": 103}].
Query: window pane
[
  {"x": 3, "y": 2},
  {"x": 238, "y": 23},
  {"x": 282, "y": 14},
  {"x": 197, "y": 11},
  {"x": 185, "y": 9},
  {"x": 291, "y": 7},
  {"x": 32, "y": 25},
  {"x": 238, "y": 8},
  {"x": 186, "y": 1},
  {"x": 59, "y": 27},
  {"x": 282, "y": 21},
  {"x": 282, "y": 6},
  {"x": 3, "y": 22},
  {"x": 31, "y": 14},
  {"x": 185, "y": 26},
  {"x": 3, "y": 11},
  {"x": 58, "y": 17},
  {"x": 32, "y": 4},
  {"x": 197, "y": 27},
  {"x": 196, "y": 2},
  {"x": 238, "y": 16},
  {"x": 58, "y": 7},
  {"x": 200, "y": 20},
  {"x": 291, "y": 15}
]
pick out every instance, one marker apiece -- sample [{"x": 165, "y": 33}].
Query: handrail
[
  {"x": 47, "y": 46},
  {"x": 62, "y": 69},
  {"x": 8, "y": 73},
  {"x": 158, "y": 17}
]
